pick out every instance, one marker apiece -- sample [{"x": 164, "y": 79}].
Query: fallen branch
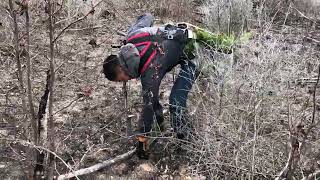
[
  {"x": 98, "y": 166},
  {"x": 31, "y": 145},
  {"x": 304, "y": 16}
]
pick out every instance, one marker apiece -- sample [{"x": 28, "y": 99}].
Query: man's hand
[{"x": 142, "y": 148}]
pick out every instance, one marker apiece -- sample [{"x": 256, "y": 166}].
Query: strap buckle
[
  {"x": 168, "y": 34},
  {"x": 170, "y": 37}
]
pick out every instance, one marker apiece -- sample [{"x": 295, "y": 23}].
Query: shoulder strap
[
  {"x": 148, "y": 38},
  {"x": 150, "y": 50},
  {"x": 147, "y": 57}
]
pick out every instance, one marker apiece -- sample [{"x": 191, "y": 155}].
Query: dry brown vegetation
[{"x": 255, "y": 112}]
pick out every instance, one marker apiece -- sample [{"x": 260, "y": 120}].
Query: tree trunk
[
  {"x": 30, "y": 94},
  {"x": 17, "y": 56},
  {"x": 51, "y": 95}
]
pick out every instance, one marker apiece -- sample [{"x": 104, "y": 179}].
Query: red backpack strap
[{"x": 148, "y": 52}]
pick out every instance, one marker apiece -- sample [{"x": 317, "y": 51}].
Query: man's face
[{"x": 122, "y": 75}]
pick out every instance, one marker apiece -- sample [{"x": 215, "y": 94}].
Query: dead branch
[
  {"x": 98, "y": 166},
  {"x": 86, "y": 28},
  {"x": 304, "y": 16},
  {"x": 76, "y": 21},
  {"x": 68, "y": 105}
]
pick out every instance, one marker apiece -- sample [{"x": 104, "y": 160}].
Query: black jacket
[{"x": 162, "y": 63}]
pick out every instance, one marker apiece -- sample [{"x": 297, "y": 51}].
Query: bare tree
[
  {"x": 51, "y": 129},
  {"x": 13, "y": 14},
  {"x": 297, "y": 145},
  {"x": 25, "y": 8}
]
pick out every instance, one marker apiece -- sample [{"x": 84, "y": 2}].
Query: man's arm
[
  {"x": 151, "y": 103},
  {"x": 152, "y": 111},
  {"x": 145, "y": 20}
]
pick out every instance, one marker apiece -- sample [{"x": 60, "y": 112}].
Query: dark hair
[{"x": 110, "y": 67}]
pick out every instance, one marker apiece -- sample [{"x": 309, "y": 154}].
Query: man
[{"x": 149, "y": 53}]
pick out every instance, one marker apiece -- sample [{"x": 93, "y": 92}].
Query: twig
[
  {"x": 317, "y": 41},
  {"x": 86, "y": 28},
  {"x": 84, "y": 156},
  {"x": 304, "y": 16},
  {"x": 65, "y": 107},
  {"x": 98, "y": 166},
  {"x": 123, "y": 18},
  {"x": 104, "y": 127},
  {"x": 287, "y": 14},
  {"x": 76, "y": 21}
]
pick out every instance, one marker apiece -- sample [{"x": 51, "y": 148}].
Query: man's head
[{"x": 113, "y": 70}]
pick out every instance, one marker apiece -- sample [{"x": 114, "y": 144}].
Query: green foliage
[
  {"x": 189, "y": 49},
  {"x": 245, "y": 37},
  {"x": 219, "y": 42}
]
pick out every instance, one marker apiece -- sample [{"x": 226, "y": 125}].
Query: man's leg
[
  {"x": 158, "y": 110},
  {"x": 178, "y": 98}
]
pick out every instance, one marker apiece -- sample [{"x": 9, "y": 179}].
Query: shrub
[{"x": 227, "y": 15}]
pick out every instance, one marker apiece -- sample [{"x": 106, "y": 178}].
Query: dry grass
[{"x": 244, "y": 110}]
